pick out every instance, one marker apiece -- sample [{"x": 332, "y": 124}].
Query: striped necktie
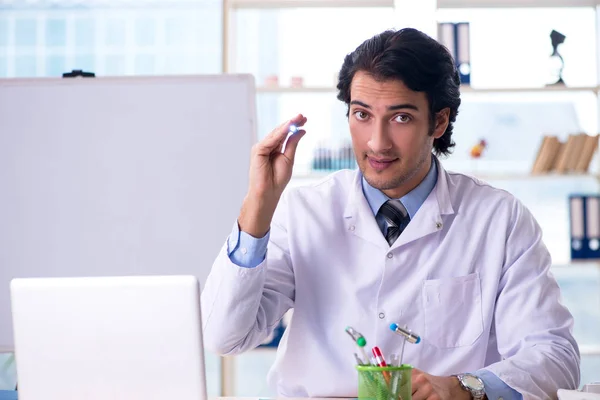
[{"x": 396, "y": 217}]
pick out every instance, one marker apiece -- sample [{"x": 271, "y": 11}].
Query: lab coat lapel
[
  {"x": 429, "y": 219},
  {"x": 358, "y": 216}
]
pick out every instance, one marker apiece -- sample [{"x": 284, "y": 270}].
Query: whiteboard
[{"x": 120, "y": 176}]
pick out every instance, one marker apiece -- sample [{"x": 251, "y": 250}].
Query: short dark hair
[{"x": 419, "y": 61}]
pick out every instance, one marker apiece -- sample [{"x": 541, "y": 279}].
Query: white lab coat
[{"x": 470, "y": 274}]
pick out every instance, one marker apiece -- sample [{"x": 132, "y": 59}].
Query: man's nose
[{"x": 380, "y": 140}]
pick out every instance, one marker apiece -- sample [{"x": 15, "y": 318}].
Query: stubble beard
[{"x": 395, "y": 181}]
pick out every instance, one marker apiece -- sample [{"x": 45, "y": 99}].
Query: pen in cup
[{"x": 381, "y": 362}]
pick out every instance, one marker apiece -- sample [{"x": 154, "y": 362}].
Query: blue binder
[
  {"x": 456, "y": 37},
  {"x": 584, "y": 216},
  {"x": 463, "y": 52}
]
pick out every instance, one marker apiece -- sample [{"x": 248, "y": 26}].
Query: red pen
[{"x": 381, "y": 362}]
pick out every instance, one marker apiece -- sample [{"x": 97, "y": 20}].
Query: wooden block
[
  {"x": 576, "y": 152},
  {"x": 548, "y": 154},
  {"x": 554, "y": 146},
  {"x": 537, "y": 164},
  {"x": 589, "y": 149},
  {"x": 559, "y": 154},
  {"x": 562, "y": 162}
]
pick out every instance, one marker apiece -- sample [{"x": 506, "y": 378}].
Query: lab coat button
[
  {"x": 351, "y": 228},
  {"x": 438, "y": 225},
  {"x": 243, "y": 250},
  {"x": 381, "y": 315},
  {"x": 390, "y": 255}
]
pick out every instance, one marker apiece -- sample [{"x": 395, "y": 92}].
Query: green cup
[{"x": 384, "y": 383}]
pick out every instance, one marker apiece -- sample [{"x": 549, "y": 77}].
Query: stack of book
[{"x": 572, "y": 156}]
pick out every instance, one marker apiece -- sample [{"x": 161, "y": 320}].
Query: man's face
[{"x": 391, "y": 133}]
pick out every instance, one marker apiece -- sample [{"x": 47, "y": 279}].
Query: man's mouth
[{"x": 381, "y": 164}]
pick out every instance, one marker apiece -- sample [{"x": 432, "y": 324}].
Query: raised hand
[{"x": 270, "y": 172}]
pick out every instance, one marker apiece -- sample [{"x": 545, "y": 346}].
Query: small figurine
[
  {"x": 477, "y": 150},
  {"x": 557, "y": 61}
]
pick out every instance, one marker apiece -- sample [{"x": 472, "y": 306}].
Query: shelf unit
[{"x": 585, "y": 350}]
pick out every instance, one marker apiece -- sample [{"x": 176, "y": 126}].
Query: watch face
[{"x": 472, "y": 382}]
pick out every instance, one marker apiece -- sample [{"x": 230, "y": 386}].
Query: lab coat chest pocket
[{"x": 453, "y": 314}]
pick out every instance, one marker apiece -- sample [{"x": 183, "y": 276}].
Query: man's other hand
[{"x": 430, "y": 387}]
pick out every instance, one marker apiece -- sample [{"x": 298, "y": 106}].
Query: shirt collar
[{"x": 412, "y": 201}]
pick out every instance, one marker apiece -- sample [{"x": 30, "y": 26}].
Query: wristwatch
[{"x": 473, "y": 385}]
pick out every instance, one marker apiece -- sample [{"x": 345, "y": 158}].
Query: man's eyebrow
[
  {"x": 360, "y": 103},
  {"x": 401, "y": 106},
  {"x": 390, "y": 108}
]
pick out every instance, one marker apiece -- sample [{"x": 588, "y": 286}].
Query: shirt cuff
[
  {"x": 245, "y": 250},
  {"x": 495, "y": 388}
]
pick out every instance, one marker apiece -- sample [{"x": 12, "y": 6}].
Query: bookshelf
[{"x": 578, "y": 277}]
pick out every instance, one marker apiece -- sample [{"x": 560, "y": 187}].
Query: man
[{"x": 401, "y": 240}]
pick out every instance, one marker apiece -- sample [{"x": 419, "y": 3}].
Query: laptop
[{"x": 130, "y": 338}]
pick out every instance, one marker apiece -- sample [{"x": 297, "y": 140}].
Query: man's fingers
[
  {"x": 292, "y": 144},
  {"x": 421, "y": 389},
  {"x": 279, "y": 134},
  {"x": 275, "y": 138},
  {"x": 422, "y": 393}
]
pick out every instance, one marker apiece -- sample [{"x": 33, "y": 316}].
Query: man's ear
[{"x": 442, "y": 119}]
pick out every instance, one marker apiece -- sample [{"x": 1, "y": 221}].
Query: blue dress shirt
[{"x": 247, "y": 251}]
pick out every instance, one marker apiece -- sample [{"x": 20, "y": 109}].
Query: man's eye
[
  {"x": 361, "y": 115},
  {"x": 402, "y": 118}
]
